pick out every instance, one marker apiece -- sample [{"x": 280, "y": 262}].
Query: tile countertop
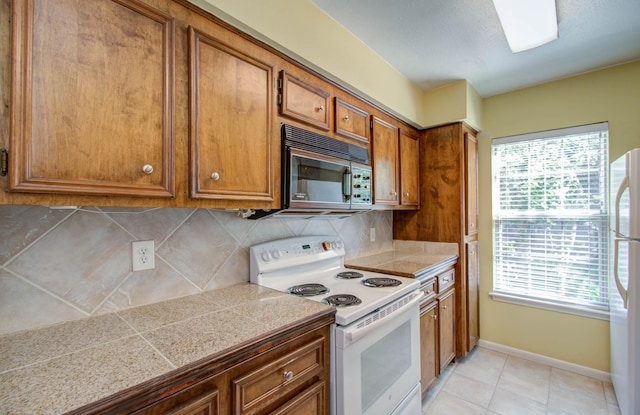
[
  {"x": 412, "y": 259},
  {"x": 59, "y": 368}
]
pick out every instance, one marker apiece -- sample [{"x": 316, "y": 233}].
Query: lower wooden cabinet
[{"x": 437, "y": 327}]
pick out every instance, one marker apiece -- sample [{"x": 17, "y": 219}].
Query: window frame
[{"x": 598, "y": 312}]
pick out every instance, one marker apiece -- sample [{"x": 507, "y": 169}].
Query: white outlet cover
[{"x": 143, "y": 255}]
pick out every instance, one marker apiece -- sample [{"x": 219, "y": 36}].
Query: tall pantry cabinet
[{"x": 449, "y": 213}]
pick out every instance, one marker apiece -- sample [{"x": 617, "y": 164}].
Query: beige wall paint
[
  {"x": 303, "y": 31},
  {"x": 611, "y": 95}
]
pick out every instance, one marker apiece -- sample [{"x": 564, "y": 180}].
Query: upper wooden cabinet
[
  {"x": 92, "y": 98},
  {"x": 233, "y": 139},
  {"x": 385, "y": 162},
  {"x": 471, "y": 185},
  {"x": 351, "y": 121},
  {"x": 304, "y": 102},
  {"x": 409, "y": 169}
]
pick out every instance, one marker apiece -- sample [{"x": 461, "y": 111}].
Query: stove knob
[
  {"x": 276, "y": 254},
  {"x": 326, "y": 246},
  {"x": 266, "y": 257}
]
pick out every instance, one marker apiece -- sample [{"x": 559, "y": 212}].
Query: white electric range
[{"x": 375, "y": 341}]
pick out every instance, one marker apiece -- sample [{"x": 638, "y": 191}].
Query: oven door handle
[{"x": 353, "y": 334}]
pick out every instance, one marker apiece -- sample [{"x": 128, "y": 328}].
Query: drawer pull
[
  {"x": 215, "y": 176},
  {"x": 288, "y": 375},
  {"x": 147, "y": 169},
  {"x": 446, "y": 280},
  {"x": 320, "y": 108},
  {"x": 345, "y": 118}
]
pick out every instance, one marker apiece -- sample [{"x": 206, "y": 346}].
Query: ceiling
[{"x": 437, "y": 42}]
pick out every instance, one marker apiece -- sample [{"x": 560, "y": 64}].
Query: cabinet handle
[
  {"x": 147, "y": 169},
  {"x": 435, "y": 316},
  {"x": 345, "y": 118},
  {"x": 320, "y": 108},
  {"x": 215, "y": 176},
  {"x": 444, "y": 307},
  {"x": 288, "y": 375},
  {"x": 406, "y": 194}
]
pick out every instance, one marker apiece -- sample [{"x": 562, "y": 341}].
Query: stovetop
[{"x": 287, "y": 263}]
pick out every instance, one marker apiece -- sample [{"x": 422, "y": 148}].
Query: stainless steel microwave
[{"x": 322, "y": 175}]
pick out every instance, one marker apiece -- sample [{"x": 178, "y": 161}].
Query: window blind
[{"x": 550, "y": 216}]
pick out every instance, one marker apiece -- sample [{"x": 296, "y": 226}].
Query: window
[{"x": 550, "y": 223}]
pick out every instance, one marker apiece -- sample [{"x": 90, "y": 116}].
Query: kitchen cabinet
[
  {"x": 437, "y": 327},
  {"x": 93, "y": 98},
  {"x": 447, "y": 332},
  {"x": 385, "y": 162},
  {"x": 304, "y": 102},
  {"x": 409, "y": 169},
  {"x": 232, "y": 120},
  {"x": 351, "y": 121},
  {"x": 448, "y": 213}
]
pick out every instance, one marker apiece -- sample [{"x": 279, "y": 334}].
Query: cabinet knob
[
  {"x": 147, "y": 169},
  {"x": 444, "y": 307},
  {"x": 406, "y": 194},
  {"x": 393, "y": 193},
  {"x": 320, "y": 108},
  {"x": 215, "y": 176},
  {"x": 435, "y": 316},
  {"x": 288, "y": 375},
  {"x": 345, "y": 118}
]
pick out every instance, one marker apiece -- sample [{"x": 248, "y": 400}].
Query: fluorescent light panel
[{"x": 527, "y": 23}]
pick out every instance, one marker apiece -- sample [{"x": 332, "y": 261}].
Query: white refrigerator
[{"x": 624, "y": 281}]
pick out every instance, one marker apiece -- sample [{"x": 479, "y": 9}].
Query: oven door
[
  {"x": 317, "y": 181},
  {"x": 377, "y": 366}
]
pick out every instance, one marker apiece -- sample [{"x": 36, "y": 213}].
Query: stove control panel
[{"x": 289, "y": 252}]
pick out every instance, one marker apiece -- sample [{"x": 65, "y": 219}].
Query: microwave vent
[{"x": 322, "y": 144}]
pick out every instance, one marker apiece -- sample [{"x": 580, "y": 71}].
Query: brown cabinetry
[
  {"x": 232, "y": 120},
  {"x": 304, "y": 102},
  {"x": 92, "y": 102},
  {"x": 385, "y": 162},
  {"x": 448, "y": 213},
  {"x": 437, "y": 327},
  {"x": 409, "y": 169},
  {"x": 351, "y": 121}
]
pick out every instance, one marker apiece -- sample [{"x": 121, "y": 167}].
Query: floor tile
[
  {"x": 577, "y": 383},
  {"x": 447, "y": 404},
  {"x": 470, "y": 390},
  {"x": 509, "y": 403},
  {"x": 566, "y": 402},
  {"x": 526, "y": 378}
]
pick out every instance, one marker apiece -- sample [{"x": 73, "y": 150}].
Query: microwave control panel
[{"x": 360, "y": 185}]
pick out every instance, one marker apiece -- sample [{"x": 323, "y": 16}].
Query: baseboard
[{"x": 545, "y": 360}]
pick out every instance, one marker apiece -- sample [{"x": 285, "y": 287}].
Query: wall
[
  {"x": 60, "y": 265},
  {"x": 611, "y": 95}
]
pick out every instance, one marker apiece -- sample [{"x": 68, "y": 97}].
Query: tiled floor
[{"x": 491, "y": 383}]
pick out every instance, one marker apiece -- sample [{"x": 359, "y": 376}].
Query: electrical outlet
[
  {"x": 372, "y": 234},
  {"x": 143, "y": 255}
]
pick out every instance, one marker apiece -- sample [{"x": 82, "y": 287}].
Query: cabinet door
[
  {"x": 304, "y": 102},
  {"x": 429, "y": 367},
  {"x": 409, "y": 173},
  {"x": 92, "y": 98},
  {"x": 473, "y": 287},
  {"x": 447, "y": 329},
  {"x": 385, "y": 162},
  {"x": 233, "y": 149},
  {"x": 310, "y": 402},
  {"x": 471, "y": 183},
  {"x": 351, "y": 121}
]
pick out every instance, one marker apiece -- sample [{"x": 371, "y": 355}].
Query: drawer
[
  {"x": 446, "y": 280},
  {"x": 429, "y": 288},
  {"x": 351, "y": 121},
  {"x": 304, "y": 102},
  {"x": 279, "y": 380}
]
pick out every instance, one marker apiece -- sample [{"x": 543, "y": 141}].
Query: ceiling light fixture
[{"x": 527, "y": 23}]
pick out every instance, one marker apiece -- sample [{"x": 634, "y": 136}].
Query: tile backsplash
[{"x": 60, "y": 265}]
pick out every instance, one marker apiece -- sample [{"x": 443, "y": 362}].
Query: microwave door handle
[
  {"x": 346, "y": 183},
  {"x": 621, "y": 289},
  {"x": 624, "y": 185}
]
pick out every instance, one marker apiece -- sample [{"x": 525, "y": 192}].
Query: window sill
[{"x": 547, "y": 305}]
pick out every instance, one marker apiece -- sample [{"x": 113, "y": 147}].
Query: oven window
[
  {"x": 384, "y": 362},
  {"x": 316, "y": 180}
]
